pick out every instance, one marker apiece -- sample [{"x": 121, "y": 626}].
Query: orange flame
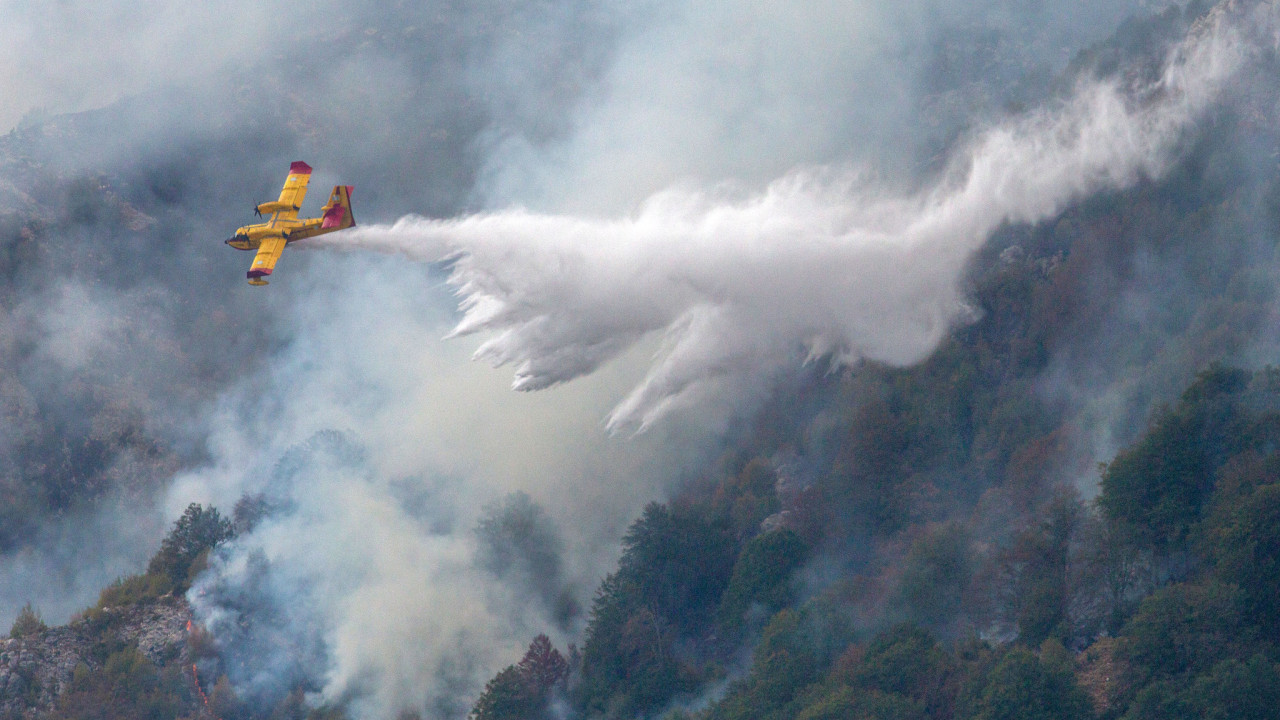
[{"x": 195, "y": 678}]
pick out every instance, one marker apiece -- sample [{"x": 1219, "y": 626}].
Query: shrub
[
  {"x": 134, "y": 589},
  {"x": 28, "y": 622}
]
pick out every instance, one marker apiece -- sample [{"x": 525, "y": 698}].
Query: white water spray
[{"x": 817, "y": 265}]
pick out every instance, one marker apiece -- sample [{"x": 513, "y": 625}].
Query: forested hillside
[
  {"x": 937, "y": 541},
  {"x": 1156, "y": 599},
  {"x": 929, "y": 542}
]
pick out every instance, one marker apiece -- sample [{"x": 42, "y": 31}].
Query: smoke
[
  {"x": 749, "y": 91},
  {"x": 819, "y": 265},
  {"x": 66, "y": 57},
  {"x": 696, "y": 229},
  {"x": 51, "y": 568},
  {"x": 373, "y": 580},
  {"x": 371, "y": 567},
  {"x": 279, "y": 615},
  {"x": 122, "y": 315}
]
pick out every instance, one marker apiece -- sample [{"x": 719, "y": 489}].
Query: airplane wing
[
  {"x": 265, "y": 261},
  {"x": 295, "y": 189}
]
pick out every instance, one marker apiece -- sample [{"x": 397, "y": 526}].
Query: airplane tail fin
[{"x": 337, "y": 212}]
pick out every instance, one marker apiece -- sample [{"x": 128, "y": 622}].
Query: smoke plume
[
  {"x": 819, "y": 265},
  {"x": 715, "y": 195}
]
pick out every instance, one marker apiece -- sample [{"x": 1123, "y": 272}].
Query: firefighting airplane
[{"x": 284, "y": 227}]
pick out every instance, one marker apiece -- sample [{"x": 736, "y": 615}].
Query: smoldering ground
[{"x": 368, "y": 563}]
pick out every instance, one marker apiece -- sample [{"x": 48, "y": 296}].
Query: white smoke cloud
[
  {"x": 72, "y": 56},
  {"x": 724, "y": 286},
  {"x": 368, "y": 577},
  {"x": 814, "y": 266},
  {"x": 74, "y": 557},
  {"x": 748, "y": 91}
]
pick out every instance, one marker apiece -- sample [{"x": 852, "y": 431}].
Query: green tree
[
  {"x": 680, "y": 562},
  {"x": 1235, "y": 690},
  {"x": 935, "y": 576},
  {"x": 846, "y": 703},
  {"x": 761, "y": 577},
  {"x": 522, "y": 691},
  {"x": 505, "y": 697},
  {"x": 519, "y": 543},
  {"x": 1244, "y": 539},
  {"x": 675, "y": 565},
  {"x": 134, "y": 589},
  {"x": 1161, "y": 700},
  {"x": 783, "y": 664},
  {"x": 1184, "y": 628},
  {"x": 184, "y": 548},
  {"x": 127, "y": 685},
  {"x": 906, "y": 661},
  {"x": 28, "y": 622},
  {"x": 1157, "y": 487},
  {"x": 1036, "y": 567},
  {"x": 1020, "y": 687},
  {"x": 1231, "y": 690},
  {"x": 748, "y": 497}
]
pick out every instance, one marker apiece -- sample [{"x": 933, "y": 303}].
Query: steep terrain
[
  {"x": 39, "y": 669},
  {"x": 873, "y": 541}
]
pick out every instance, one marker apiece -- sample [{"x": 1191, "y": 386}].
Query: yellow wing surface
[
  {"x": 291, "y": 195},
  {"x": 295, "y": 186},
  {"x": 265, "y": 261}
]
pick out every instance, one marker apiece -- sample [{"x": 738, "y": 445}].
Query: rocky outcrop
[{"x": 35, "y": 669}]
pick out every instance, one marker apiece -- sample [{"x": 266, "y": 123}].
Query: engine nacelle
[{"x": 274, "y": 206}]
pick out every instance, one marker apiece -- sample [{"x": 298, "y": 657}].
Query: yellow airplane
[{"x": 284, "y": 227}]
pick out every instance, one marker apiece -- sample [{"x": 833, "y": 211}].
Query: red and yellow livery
[{"x": 284, "y": 226}]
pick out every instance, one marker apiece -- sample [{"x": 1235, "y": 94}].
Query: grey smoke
[
  {"x": 376, "y": 562},
  {"x": 815, "y": 266}
]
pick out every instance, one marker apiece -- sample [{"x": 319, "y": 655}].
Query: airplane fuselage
[{"x": 250, "y": 237}]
